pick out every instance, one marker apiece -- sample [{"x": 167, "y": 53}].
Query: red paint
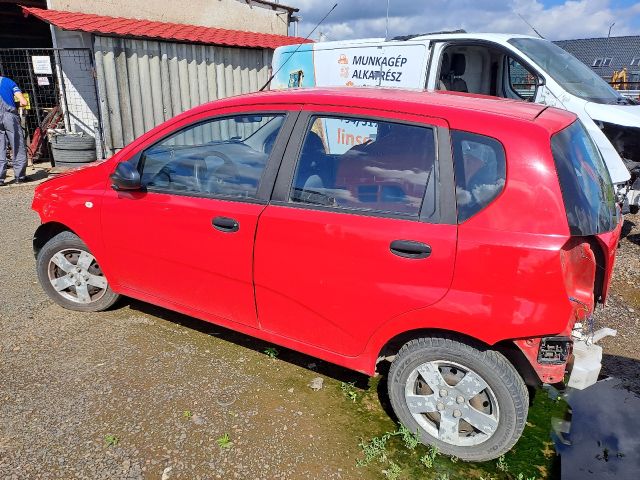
[
  {"x": 130, "y": 27},
  {"x": 325, "y": 283}
]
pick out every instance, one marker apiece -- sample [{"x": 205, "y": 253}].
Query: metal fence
[
  {"x": 142, "y": 83},
  {"x": 38, "y": 73}
]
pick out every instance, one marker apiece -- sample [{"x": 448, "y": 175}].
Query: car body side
[{"x": 508, "y": 283}]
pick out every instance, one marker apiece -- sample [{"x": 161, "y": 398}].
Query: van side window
[
  {"x": 359, "y": 164},
  {"x": 480, "y": 171},
  {"x": 521, "y": 81}
]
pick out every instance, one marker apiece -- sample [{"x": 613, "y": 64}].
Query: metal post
[
  {"x": 33, "y": 88},
  {"x": 63, "y": 92},
  {"x": 386, "y": 28}
]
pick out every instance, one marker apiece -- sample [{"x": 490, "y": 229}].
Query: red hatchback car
[{"x": 464, "y": 239}]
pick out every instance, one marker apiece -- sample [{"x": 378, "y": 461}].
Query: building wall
[
  {"x": 142, "y": 83},
  {"x": 231, "y": 14},
  {"x": 76, "y": 64}
]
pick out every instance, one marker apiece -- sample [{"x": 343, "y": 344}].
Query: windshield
[
  {"x": 573, "y": 75},
  {"x": 584, "y": 179}
]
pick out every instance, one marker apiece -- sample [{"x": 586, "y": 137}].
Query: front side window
[
  {"x": 587, "y": 190},
  {"x": 217, "y": 157},
  {"x": 521, "y": 81},
  {"x": 480, "y": 171},
  {"x": 365, "y": 165}
]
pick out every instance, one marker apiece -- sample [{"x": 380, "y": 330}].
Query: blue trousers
[{"x": 10, "y": 129}]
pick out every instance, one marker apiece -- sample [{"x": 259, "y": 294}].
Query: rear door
[{"x": 361, "y": 227}]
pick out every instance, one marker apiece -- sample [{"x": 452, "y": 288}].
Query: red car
[{"x": 459, "y": 237}]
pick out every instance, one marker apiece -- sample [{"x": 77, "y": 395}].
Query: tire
[
  {"x": 73, "y": 142},
  {"x": 499, "y": 409},
  {"x": 57, "y": 262},
  {"x": 73, "y": 156}
]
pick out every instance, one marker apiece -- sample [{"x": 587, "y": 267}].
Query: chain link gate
[{"x": 52, "y": 102}]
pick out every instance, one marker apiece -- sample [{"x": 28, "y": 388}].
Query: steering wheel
[{"x": 217, "y": 178}]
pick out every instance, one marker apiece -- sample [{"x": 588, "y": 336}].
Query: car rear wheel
[
  {"x": 71, "y": 276},
  {"x": 468, "y": 401}
]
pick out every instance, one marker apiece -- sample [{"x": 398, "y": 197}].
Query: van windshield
[
  {"x": 587, "y": 190},
  {"x": 573, "y": 75}
]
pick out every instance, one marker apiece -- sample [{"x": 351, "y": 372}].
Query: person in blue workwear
[{"x": 10, "y": 128}]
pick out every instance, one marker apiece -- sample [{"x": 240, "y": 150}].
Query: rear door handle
[
  {"x": 410, "y": 249},
  {"x": 225, "y": 224}
]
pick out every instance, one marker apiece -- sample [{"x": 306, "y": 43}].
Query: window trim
[
  {"x": 267, "y": 180},
  {"x": 445, "y": 209}
]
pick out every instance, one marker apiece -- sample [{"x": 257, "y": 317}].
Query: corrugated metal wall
[{"x": 142, "y": 83}]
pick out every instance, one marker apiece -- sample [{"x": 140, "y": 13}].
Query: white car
[{"x": 511, "y": 66}]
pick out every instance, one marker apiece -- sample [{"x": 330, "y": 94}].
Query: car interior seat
[
  {"x": 312, "y": 160},
  {"x": 458, "y": 67},
  {"x": 445, "y": 73}
]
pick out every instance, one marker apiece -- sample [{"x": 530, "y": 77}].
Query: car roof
[
  {"x": 360, "y": 42},
  {"x": 436, "y": 103}
]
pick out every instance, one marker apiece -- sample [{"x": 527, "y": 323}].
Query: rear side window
[
  {"x": 366, "y": 165},
  {"x": 587, "y": 190},
  {"x": 480, "y": 170}
]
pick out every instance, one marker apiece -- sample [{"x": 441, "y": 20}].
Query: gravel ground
[
  {"x": 164, "y": 385},
  {"x": 162, "y": 388}
]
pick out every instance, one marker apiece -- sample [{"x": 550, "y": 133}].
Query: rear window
[
  {"x": 584, "y": 179},
  {"x": 480, "y": 171}
]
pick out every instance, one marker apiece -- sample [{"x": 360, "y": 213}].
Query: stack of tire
[{"x": 73, "y": 150}]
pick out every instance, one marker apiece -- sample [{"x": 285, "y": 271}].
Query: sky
[{"x": 554, "y": 19}]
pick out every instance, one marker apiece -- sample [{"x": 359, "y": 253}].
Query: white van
[{"x": 503, "y": 65}]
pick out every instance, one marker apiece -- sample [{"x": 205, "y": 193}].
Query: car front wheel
[
  {"x": 71, "y": 276},
  {"x": 468, "y": 401}
]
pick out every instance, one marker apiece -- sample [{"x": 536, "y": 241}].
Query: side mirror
[{"x": 126, "y": 177}]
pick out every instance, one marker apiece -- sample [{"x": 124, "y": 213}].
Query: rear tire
[
  {"x": 70, "y": 275},
  {"x": 468, "y": 401}
]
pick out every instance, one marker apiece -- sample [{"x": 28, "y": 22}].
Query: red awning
[{"x": 177, "y": 32}]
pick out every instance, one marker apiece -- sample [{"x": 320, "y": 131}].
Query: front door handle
[
  {"x": 410, "y": 249},
  {"x": 225, "y": 224}
]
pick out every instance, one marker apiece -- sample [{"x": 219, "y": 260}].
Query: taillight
[{"x": 579, "y": 272}]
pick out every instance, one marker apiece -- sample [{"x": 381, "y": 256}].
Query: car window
[
  {"x": 586, "y": 186},
  {"x": 359, "y": 164},
  {"x": 480, "y": 171},
  {"x": 223, "y": 156},
  {"x": 521, "y": 81}
]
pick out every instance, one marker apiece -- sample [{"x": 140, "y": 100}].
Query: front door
[
  {"x": 361, "y": 228},
  {"x": 187, "y": 239}
]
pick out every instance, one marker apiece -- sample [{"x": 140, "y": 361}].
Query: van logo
[{"x": 343, "y": 60}]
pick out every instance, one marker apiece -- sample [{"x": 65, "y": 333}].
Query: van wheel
[
  {"x": 71, "y": 276},
  {"x": 466, "y": 400}
]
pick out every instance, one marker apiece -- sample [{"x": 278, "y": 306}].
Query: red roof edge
[{"x": 177, "y": 32}]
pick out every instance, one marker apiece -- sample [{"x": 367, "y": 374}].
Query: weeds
[
  {"x": 111, "y": 440},
  {"x": 428, "y": 458},
  {"x": 393, "y": 472},
  {"x": 411, "y": 440},
  {"x": 522, "y": 477},
  {"x": 224, "y": 441},
  {"x": 271, "y": 352},
  {"x": 376, "y": 448},
  {"x": 187, "y": 414},
  {"x": 501, "y": 464},
  {"x": 349, "y": 391}
]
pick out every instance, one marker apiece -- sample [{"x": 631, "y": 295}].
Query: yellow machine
[{"x": 619, "y": 79}]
